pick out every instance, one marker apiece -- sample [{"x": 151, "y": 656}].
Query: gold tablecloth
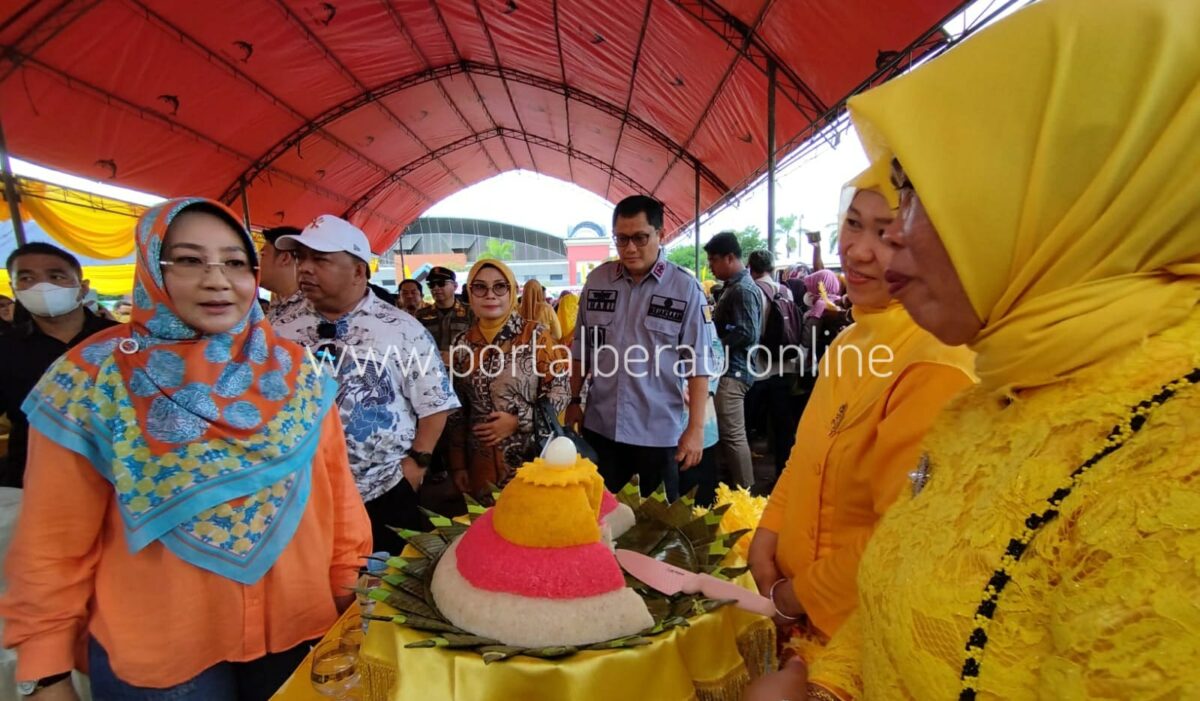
[{"x": 711, "y": 660}]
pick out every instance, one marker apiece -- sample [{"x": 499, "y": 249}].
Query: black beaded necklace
[{"x": 1117, "y": 437}]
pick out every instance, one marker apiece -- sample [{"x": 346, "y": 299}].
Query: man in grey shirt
[
  {"x": 644, "y": 330},
  {"x": 738, "y": 318}
]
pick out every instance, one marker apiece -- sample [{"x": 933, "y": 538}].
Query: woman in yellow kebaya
[
  {"x": 881, "y": 383},
  {"x": 1049, "y": 172}
]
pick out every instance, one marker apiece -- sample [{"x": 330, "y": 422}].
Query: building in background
[
  {"x": 588, "y": 245},
  {"x": 558, "y": 263}
]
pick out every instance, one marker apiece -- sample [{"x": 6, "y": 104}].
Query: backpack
[{"x": 783, "y": 326}]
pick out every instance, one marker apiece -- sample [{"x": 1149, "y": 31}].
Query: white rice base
[
  {"x": 527, "y": 622},
  {"x": 619, "y": 520}
]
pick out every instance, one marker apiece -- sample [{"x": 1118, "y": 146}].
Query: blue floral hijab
[{"x": 207, "y": 439}]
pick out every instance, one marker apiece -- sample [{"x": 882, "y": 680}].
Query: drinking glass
[{"x": 334, "y": 669}]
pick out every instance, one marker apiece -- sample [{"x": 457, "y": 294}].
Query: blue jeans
[{"x": 255, "y": 680}]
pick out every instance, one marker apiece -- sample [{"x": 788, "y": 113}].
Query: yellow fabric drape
[
  {"x": 1062, "y": 175},
  {"x": 83, "y": 223},
  {"x": 719, "y": 657},
  {"x": 711, "y": 660},
  {"x": 113, "y": 280}
]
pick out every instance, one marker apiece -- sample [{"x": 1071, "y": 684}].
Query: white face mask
[{"x": 48, "y": 299}]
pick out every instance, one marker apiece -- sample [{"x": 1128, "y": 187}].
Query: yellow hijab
[
  {"x": 1058, "y": 155},
  {"x": 568, "y": 314},
  {"x": 850, "y": 387},
  {"x": 490, "y": 327},
  {"x": 534, "y": 308}
]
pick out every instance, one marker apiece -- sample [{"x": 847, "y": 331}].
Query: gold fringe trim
[
  {"x": 728, "y": 688},
  {"x": 378, "y": 680},
  {"x": 757, "y": 648}
]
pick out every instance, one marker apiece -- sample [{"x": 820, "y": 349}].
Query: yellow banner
[
  {"x": 111, "y": 280},
  {"x": 83, "y": 223}
]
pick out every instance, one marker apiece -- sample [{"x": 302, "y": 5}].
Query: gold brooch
[
  {"x": 920, "y": 476},
  {"x": 837, "y": 420}
]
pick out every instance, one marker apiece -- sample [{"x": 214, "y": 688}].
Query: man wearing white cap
[{"x": 394, "y": 392}]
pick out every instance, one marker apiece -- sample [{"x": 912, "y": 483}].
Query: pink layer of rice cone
[
  {"x": 526, "y": 621},
  {"x": 489, "y": 562}
]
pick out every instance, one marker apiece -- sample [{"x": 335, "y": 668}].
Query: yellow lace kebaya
[
  {"x": 1052, "y": 551},
  {"x": 1105, "y": 602}
]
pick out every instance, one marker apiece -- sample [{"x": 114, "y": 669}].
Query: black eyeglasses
[
  {"x": 639, "y": 240},
  {"x": 480, "y": 289},
  {"x": 439, "y": 283}
]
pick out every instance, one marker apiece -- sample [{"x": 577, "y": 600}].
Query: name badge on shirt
[
  {"x": 595, "y": 336},
  {"x": 667, "y": 308},
  {"x": 602, "y": 300}
]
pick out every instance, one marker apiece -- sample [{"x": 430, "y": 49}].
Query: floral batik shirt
[{"x": 389, "y": 375}]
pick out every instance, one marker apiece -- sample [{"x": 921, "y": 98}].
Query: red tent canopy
[{"x": 377, "y": 109}]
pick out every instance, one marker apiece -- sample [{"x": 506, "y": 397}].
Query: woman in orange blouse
[
  {"x": 881, "y": 383},
  {"x": 189, "y": 511}
]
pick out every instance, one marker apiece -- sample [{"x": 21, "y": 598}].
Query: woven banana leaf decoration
[{"x": 668, "y": 532}]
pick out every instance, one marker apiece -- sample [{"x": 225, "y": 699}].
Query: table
[
  {"x": 298, "y": 687},
  {"x": 712, "y": 660}
]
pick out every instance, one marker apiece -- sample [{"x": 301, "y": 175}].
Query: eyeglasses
[
  {"x": 439, "y": 283},
  {"x": 639, "y": 240},
  {"x": 480, "y": 289},
  {"x": 193, "y": 268}
]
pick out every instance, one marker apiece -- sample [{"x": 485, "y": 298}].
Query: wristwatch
[
  {"x": 422, "y": 459},
  {"x": 31, "y": 688}
]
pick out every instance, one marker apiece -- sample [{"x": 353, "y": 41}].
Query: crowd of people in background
[
  {"x": 296, "y": 411},
  {"x": 1019, "y": 478},
  {"x": 322, "y": 298}
]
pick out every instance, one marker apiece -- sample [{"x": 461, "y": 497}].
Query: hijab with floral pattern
[{"x": 207, "y": 439}]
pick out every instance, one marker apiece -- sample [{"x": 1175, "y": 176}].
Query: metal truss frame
[
  {"x": 931, "y": 43},
  {"x": 471, "y": 68},
  {"x": 479, "y": 137}
]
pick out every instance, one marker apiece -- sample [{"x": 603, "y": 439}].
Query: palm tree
[
  {"x": 495, "y": 249},
  {"x": 784, "y": 226},
  {"x": 831, "y": 233}
]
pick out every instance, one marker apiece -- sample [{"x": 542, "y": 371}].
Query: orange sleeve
[
  {"x": 51, "y": 564},
  {"x": 351, "y": 526},
  {"x": 916, "y": 399},
  {"x": 773, "y": 514}
]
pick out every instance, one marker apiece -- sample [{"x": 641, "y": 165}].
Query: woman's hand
[
  {"x": 573, "y": 417},
  {"x": 462, "y": 481},
  {"x": 761, "y": 560},
  {"x": 765, "y": 576},
  {"x": 787, "y": 604},
  {"x": 497, "y": 426},
  {"x": 789, "y": 683}
]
